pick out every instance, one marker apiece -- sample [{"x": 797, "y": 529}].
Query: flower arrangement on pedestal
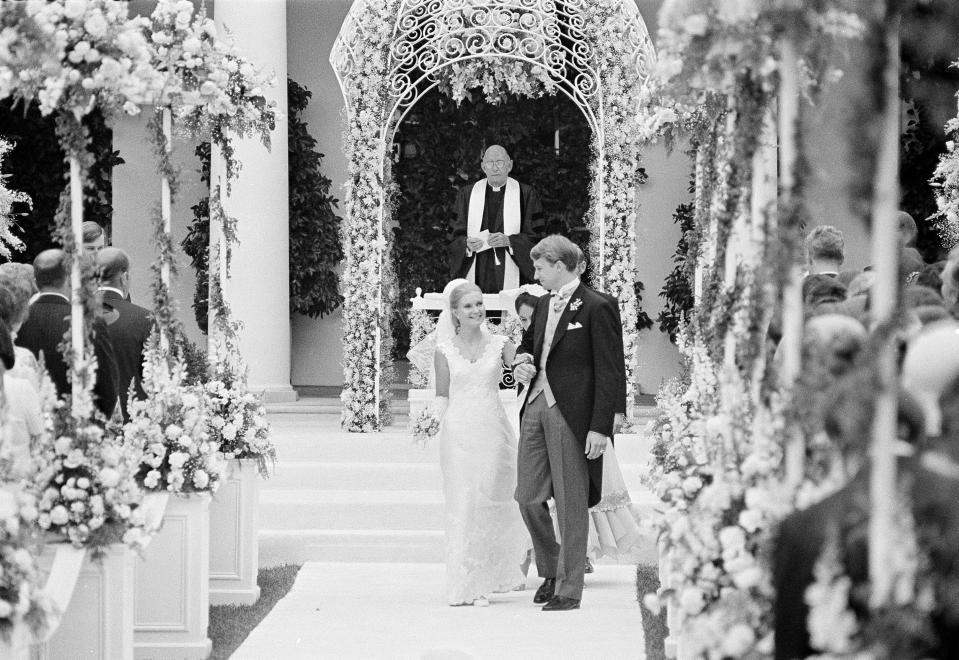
[
  {"x": 23, "y": 605},
  {"x": 717, "y": 461},
  {"x": 85, "y": 479},
  {"x": 237, "y": 421},
  {"x": 169, "y": 428}
]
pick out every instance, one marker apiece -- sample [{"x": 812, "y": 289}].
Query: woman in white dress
[{"x": 486, "y": 540}]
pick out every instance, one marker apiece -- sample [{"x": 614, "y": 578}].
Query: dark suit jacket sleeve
[
  {"x": 456, "y": 236},
  {"x": 608, "y": 366},
  {"x": 106, "y": 388},
  {"x": 531, "y": 230}
]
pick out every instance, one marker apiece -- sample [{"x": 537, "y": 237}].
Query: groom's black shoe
[
  {"x": 560, "y": 604},
  {"x": 545, "y": 591}
]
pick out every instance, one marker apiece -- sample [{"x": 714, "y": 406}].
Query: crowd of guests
[
  {"x": 35, "y": 313},
  {"x": 837, "y": 396}
]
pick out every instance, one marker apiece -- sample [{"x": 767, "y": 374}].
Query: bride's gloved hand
[{"x": 440, "y": 404}]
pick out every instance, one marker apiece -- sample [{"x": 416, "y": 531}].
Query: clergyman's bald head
[
  {"x": 111, "y": 264},
  {"x": 495, "y": 151},
  {"x": 50, "y": 269}
]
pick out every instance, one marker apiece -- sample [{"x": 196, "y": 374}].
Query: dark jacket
[
  {"x": 585, "y": 367},
  {"x": 44, "y": 331},
  {"x": 129, "y": 331}
]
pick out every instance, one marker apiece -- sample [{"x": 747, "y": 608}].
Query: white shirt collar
[
  {"x": 36, "y": 296},
  {"x": 111, "y": 288},
  {"x": 567, "y": 289}
]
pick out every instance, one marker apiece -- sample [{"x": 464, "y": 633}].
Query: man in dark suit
[
  {"x": 128, "y": 325},
  {"x": 48, "y": 323},
  {"x": 572, "y": 356}
]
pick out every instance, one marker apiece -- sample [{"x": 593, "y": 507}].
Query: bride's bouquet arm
[{"x": 442, "y": 400}]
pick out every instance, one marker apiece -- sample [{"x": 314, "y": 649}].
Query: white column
[{"x": 258, "y": 288}]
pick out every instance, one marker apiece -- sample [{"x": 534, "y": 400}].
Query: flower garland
[
  {"x": 946, "y": 181},
  {"x": 23, "y": 604},
  {"x": 238, "y": 424},
  {"x": 8, "y": 241},
  {"x": 716, "y": 467},
  {"x": 364, "y": 240}
]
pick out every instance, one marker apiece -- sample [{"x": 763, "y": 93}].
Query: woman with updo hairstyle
[
  {"x": 486, "y": 539},
  {"x": 14, "y": 309}
]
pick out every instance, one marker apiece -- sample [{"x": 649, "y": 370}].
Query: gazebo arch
[{"x": 389, "y": 53}]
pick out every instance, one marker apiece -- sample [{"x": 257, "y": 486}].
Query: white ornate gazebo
[{"x": 389, "y": 53}]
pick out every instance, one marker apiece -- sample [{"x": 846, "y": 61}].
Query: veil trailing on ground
[{"x": 422, "y": 354}]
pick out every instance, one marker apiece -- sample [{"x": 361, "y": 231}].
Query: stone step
[
  {"x": 364, "y": 476},
  {"x": 340, "y": 509},
  {"x": 350, "y": 545}
]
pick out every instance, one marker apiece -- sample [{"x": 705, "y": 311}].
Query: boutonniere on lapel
[{"x": 576, "y": 304}]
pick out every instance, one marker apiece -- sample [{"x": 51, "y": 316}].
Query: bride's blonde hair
[{"x": 457, "y": 295}]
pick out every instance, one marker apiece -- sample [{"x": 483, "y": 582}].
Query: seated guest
[
  {"x": 803, "y": 535},
  {"x": 821, "y": 288},
  {"x": 825, "y": 250},
  {"x": 129, "y": 328},
  {"x": 930, "y": 276},
  {"x": 49, "y": 322},
  {"x": 907, "y": 230},
  {"x": 918, "y": 296},
  {"x": 94, "y": 238},
  {"x": 24, "y": 416},
  {"x": 910, "y": 264},
  {"x": 15, "y": 296},
  {"x": 950, "y": 285}
]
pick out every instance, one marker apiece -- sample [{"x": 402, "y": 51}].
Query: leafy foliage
[
  {"x": 37, "y": 166},
  {"x": 677, "y": 289},
  {"x": 315, "y": 248},
  {"x": 197, "y": 242}
]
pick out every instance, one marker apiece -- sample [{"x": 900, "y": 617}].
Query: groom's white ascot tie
[{"x": 556, "y": 307}]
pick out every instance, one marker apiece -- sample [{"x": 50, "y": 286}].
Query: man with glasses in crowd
[{"x": 498, "y": 220}]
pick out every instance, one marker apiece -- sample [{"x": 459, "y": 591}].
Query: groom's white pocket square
[{"x": 574, "y": 326}]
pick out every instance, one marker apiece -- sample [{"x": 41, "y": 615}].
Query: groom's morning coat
[{"x": 586, "y": 368}]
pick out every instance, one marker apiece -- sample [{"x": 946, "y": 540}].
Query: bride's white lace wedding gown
[{"x": 486, "y": 540}]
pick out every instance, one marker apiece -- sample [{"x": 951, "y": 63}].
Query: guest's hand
[
  {"x": 595, "y": 444},
  {"x": 474, "y": 244},
  {"x": 524, "y": 373},
  {"x": 498, "y": 240}
]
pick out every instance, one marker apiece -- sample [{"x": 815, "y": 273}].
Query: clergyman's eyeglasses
[{"x": 497, "y": 163}]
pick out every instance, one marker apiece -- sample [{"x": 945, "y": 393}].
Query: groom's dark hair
[{"x": 555, "y": 248}]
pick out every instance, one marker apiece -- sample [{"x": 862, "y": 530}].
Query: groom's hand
[
  {"x": 524, "y": 372},
  {"x": 595, "y": 444}
]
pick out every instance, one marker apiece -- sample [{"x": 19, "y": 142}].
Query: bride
[{"x": 486, "y": 540}]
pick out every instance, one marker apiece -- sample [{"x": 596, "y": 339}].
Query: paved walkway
[{"x": 397, "y": 610}]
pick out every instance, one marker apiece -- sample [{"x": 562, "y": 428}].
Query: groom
[{"x": 572, "y": 354}]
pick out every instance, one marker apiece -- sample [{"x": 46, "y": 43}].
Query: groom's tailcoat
[{"x": 585, "y": 367}]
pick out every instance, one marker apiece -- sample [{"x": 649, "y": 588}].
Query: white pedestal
[
  {"x": 234, "y": 554},
  {"x": 98, "y": 622},
  {"x": 671, "y": 643},
  {"x": 172, "y": 584}
]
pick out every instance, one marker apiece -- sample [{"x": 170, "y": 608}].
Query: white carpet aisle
[
  {"x": 365, "y": 514},
  {"x": 397, "y": 610}
]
